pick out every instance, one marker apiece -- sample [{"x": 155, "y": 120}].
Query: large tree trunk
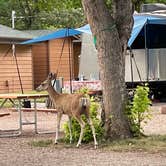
[{"x": 112, "y": 33}]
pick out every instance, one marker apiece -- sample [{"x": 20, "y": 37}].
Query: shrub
[
  {"x": 88, "y": 137},
  {"x": 138, "y": 110}
]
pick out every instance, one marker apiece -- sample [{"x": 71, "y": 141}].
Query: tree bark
[{"x": 112, "y": 32}]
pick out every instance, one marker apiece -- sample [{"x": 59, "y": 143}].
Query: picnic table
[{"x": 18, "y": 106}]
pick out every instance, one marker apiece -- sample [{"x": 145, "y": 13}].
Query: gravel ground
[{"x": 16, "y": 151}]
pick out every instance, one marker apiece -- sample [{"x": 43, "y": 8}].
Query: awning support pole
[
  {"x": 146, "y": 51},
  {"x": 70, "y": 67}
]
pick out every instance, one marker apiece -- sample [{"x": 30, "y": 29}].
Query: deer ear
[
  {"x": 50, "y": 75},
  {"x": 54, "y": 76}
]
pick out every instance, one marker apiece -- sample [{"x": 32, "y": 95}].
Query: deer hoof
[
  {"x": 55, "y": 143},
  {"x": 78, "y": 145},
  {"x": 71, "y": 141},
  {"x": 96, "y": 146}
]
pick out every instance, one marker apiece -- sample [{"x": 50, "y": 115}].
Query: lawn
[{"x": 150, "y": 144}]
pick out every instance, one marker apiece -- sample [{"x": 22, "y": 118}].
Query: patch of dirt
[{"x": 17, "y": 151}]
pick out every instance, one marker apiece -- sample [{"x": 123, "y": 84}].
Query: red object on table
[{"x": 76, "y": 85}]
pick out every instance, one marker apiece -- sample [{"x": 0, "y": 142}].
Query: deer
[{"x": 73, "y": 105}]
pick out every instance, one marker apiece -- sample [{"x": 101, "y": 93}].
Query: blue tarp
[
  {"x": 85, "y": 29},
  {"x": 66, "y": 32},
  {"x": 139, "y": 22}
]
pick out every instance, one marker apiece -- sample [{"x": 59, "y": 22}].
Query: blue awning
[
  {"x": 66, "y": 32},
  {"x": 85, "y": 29},
  {"x": 139, "y": 22}
]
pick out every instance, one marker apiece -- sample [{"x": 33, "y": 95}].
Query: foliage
[
  {"x": 155, "y": 1},
  {"x": 42, "y": 14},
  {"x": 60, "y": 18},
  {"x": 87, "y": 130},
  {"x": 138, "y": 3},
  {"x": 51, "y": 13},
  {"x": 83, "y": 90},
  {"x": 138, "y": 110}
]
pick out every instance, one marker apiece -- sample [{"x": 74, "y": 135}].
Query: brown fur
[
  {"x": 69, "y": 104},
  {"x": 73, "y": 105}
]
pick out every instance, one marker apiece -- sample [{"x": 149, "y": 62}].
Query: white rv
[{"x": 145, "y": 58}]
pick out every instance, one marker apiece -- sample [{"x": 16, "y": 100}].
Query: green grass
[
  {"x": 152, "y": 144},
  {"x": 41, "y": 143}
]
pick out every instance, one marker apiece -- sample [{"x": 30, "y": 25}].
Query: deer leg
[
  {"x": 82, "y": 124},
  {"x": 70, "y": 125},
  {"x": 59, "y": 116},
  {"x": 93, "y": 130}
]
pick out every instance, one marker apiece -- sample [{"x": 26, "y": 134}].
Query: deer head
[{"x": 48, "y": 82}]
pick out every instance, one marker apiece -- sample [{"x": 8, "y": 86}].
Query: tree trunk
[{"x": 111, "y": 46}]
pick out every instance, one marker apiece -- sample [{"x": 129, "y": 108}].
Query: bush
[
  {"x": 88, "y": 137},
  {"x": 138, "y": 110}
]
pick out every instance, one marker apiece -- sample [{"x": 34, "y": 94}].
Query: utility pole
[
  {"x": 13, "y": 19},
  {"x": 14, "y": 51},
  {"x": 13, "y": 26}
]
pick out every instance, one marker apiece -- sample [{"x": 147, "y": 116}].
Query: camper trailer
[
  {"x": 142, "y": 69},
  {"x": 145, "y": 57}
]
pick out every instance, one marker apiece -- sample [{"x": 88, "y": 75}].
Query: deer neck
[{"x": 52, "y": 92}]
